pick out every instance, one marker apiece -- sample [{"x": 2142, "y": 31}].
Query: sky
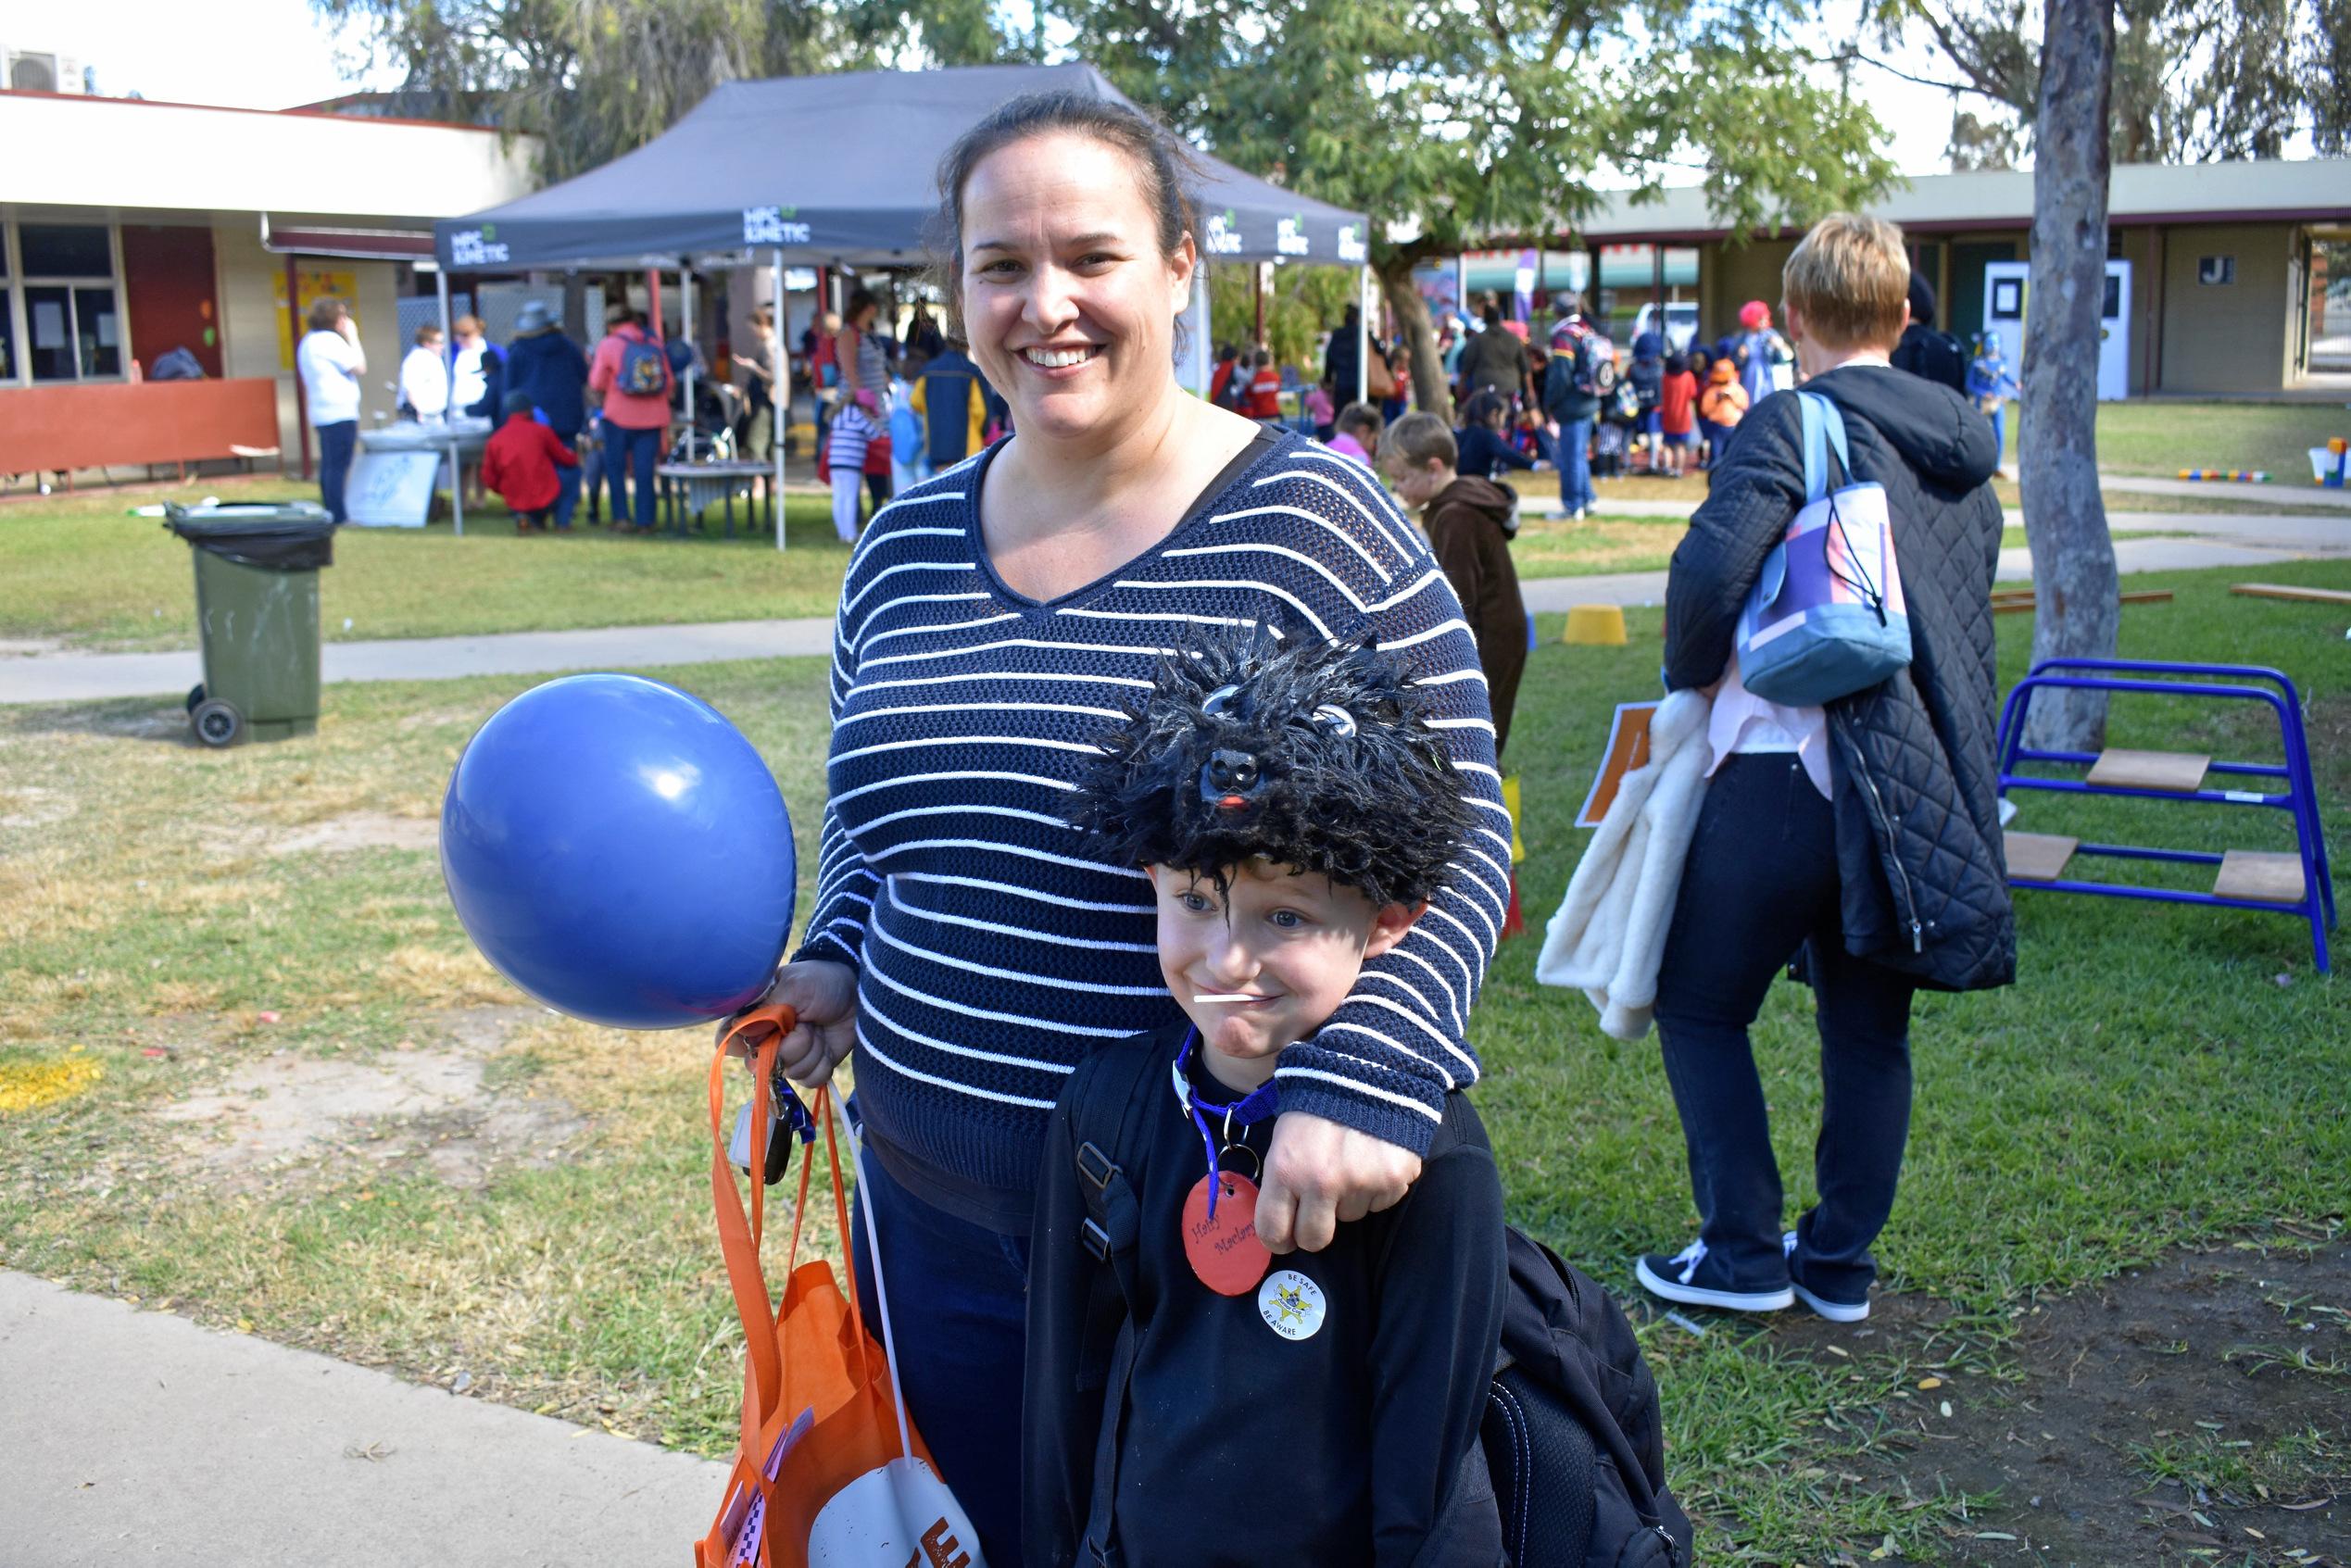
[{"x": 275, "y": 54}]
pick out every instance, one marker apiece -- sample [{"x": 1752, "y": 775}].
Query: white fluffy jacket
[{"x": 1610, "y": 931}]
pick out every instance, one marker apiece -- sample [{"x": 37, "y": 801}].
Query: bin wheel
[
  {"x": 195, "y": 695},
  {"x": 217, "y": 723}
]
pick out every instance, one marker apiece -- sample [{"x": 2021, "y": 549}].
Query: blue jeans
[
  {"x": 567, "y": 482},
  {"x": 1574, "y": 463},
  {"x": 2000, "y": 433},
  {"x": 631, "y": 453},
  {"x": 1759, "y": 884},
  {"x": 336, "y": 443},
  {"x": 959, "y": 1309}
]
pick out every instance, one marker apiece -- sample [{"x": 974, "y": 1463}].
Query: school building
[
  {"x": 132, "y": 230},
  {"x": 2235, "y": 279}
]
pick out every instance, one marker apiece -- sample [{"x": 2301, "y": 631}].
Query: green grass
[
  {"x": 76, "y": 570},
  {"x": 2159, "y": 437},
  {"x": 2158, "y": 1077}
]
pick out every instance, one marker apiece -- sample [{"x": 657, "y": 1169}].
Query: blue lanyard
[{"x": 1261, "y": 1102}]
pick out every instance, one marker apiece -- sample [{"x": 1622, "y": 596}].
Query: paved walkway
[
  {"x": 32, "y": 673},
  {"x": 2297, "y": 492},
  {"x": 138, "y": 1437},
  {"x": 89, "y": 677}
]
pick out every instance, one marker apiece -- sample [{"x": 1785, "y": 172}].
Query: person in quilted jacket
[{"x": 1863, "y": 837}]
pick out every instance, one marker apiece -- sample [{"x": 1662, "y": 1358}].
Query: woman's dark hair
[
  {"x": 1164, "y": 167},
  {"x": 1492, "y": 314},
  {"x": 859, "y": 301},
  {"x": 1482, "y": 408}
]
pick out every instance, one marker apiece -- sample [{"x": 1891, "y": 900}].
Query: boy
[
  {"x": 1192, "y": 1399},
  {"x": 519, "y": 464},
  {"x": 1676, "y": 414},
  {"x": 1264, "y": 402},
  {"x": 1470, "y": 521},
  {"x": 1721, "y": 404},
  {"x": 1647, "y": 378}
]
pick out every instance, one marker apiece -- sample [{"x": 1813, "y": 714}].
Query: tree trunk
[
  {"x": 2073, "y": 568},
  {"x": 1431, "y": 394}
]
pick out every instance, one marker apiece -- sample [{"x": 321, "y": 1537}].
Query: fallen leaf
[
  {"x": 1946, "y": 1409},
  {"x": 1930, "y": 1383},
  {"x": 2304, "y": 1507},
  {"x": 1837, "y": 1350},
  {"x": 245, "y": 1325}
]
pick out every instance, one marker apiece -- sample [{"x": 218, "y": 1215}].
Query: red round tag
[{"x": 1225, "y": 1252}]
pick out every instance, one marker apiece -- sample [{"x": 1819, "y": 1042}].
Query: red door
[{"x": 167, "y": 270}]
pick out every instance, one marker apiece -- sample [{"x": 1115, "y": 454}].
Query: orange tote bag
[{"x": 829, "y": 1472}]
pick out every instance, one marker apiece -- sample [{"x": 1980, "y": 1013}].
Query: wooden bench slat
[
  {"x": 2038, "y": 856},
  {"x": 2259, "y": 874},
  {"x": 2175, "y": 771}
]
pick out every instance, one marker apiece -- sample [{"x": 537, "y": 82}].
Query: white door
[{"x": 2006, "y": 285}]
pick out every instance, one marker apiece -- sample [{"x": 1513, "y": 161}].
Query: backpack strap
[
  {"x": 1106, "y": 1109},
  {"x": 1824, "y": 431}
]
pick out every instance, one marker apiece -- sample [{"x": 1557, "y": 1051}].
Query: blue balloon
[{"x": 617, "y": 849}]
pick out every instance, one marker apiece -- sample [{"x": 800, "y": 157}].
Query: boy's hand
[
  {"x": 825, "y": 997},
  {"x": 1318, "y": 1172}
]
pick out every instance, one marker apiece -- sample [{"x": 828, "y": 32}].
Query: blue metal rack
[{"x": 2286, "y": 787}]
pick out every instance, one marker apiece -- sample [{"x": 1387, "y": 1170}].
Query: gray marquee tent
[{"x": 837, "y": 170}]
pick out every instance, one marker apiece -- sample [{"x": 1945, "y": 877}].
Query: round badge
[
  {"x": 1291, "y": 1304},
  {"x": 1224, "y": 1251}
]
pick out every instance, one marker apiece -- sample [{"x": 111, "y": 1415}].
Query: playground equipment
[
  {"x": 2331, "y": 464},
  {"x": 2299, "y": 884},
  {"x": 2235, "y": 476}
]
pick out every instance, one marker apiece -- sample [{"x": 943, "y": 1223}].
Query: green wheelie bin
[{"x": 257, "y": 581}]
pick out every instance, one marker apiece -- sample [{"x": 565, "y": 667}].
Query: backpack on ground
[
  {"x": 645, "y": 370},
  {"x": 1573, "y": 1432},
  {"x": 1827, "y": 618}
]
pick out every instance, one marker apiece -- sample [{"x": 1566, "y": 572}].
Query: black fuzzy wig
[{"x": 1316, "y": 756}]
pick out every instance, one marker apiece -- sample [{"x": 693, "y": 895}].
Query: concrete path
[
  {"x": 32, "y": 673},
  {"x": 138, "y": 1436},
  {"x": 89, "y": 677},
  {"x": 2294, "y": 490}
]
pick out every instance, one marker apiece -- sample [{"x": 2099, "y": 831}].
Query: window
[
  {"x": 2215, "y": 272},
  {"x": 63, "y": 304}
]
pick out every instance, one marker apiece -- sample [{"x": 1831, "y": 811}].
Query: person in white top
[
  {"x": 331, "y": 363},
  {"x": 425, "y": 378}
]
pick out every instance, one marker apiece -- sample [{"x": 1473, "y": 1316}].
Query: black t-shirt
[{"x": 1329, "y": 1415}]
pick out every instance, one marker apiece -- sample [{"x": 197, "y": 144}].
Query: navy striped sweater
[{"x": 992, "y": 954}]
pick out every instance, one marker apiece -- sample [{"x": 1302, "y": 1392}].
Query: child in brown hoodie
[{"x": 1469, "y": 522}]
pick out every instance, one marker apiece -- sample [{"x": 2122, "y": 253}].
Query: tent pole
[
  {"x": 686, "y": 331},
  {"x": 448, "y": 366},
  {"x": 779, "y": 400},
  {"x": 1363, "y": 334},
  {"x": 1258, "y": 281}
]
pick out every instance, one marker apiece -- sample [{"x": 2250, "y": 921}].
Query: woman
[
  {"x": 865, "y": 367},
  {"x": 1865, "y": 836},
  {"x": 754, "y": 364},
  {"x": 994, "y": 621},
  {"x": 1484, "y": 453},
  {"x": 331, "y": 364}
]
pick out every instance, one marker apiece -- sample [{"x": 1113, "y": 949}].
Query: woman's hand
[
  {"x": 1318, "y": 1172},
  {"x": 825, "y": 997}
]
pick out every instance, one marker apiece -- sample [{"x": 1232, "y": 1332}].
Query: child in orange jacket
[{"x": 519, "y": 464}]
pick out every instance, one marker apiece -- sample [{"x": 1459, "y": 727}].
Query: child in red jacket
[{"x": 519, "y": 464}]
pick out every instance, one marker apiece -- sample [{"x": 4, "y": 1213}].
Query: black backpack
[
  {"x": 1573, "y": 1433},
  {"x": 1936, "y": 355}
]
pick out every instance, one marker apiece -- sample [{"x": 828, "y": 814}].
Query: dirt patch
[
  {"x": 433, "y": 1103},
  {"x": 2197, "y": 1411},
  {"x": 28, "y": 647},
  {"x": 29, "y": 806},
  {"x": 335, "y": 836}
]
